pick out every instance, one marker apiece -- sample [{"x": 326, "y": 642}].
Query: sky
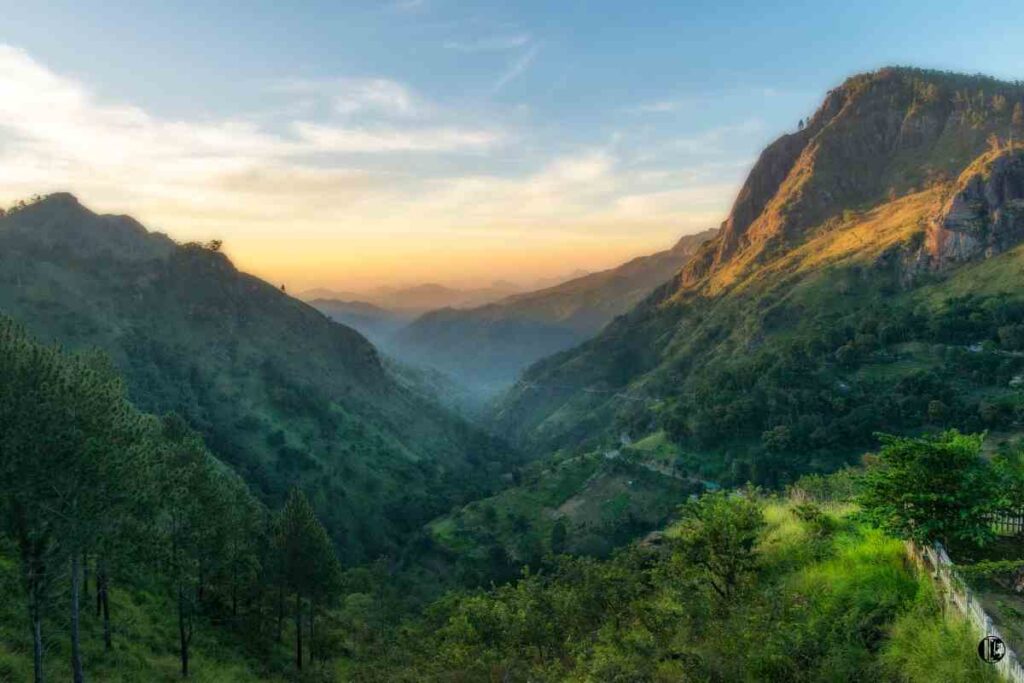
[{"x": 359, "y": 143}]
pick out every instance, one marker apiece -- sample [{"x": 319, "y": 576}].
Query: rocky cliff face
[
  {"x": 985, "y": 215},
  {"x": 878, "y": 135}
]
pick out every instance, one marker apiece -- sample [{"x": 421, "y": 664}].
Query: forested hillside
[
  {"x": 98, "y": 498},
  {"x": 740, "y": 589},
  {"x": 866, "y": 279},
  {"x": 280, "y": 393}
]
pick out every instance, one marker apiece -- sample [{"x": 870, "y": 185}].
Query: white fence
[{"x": 955, "y": 590}]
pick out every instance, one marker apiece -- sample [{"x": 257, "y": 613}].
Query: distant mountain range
[
  {"x": 486, "y": 347},
  {"x": 417, "y": 299}
]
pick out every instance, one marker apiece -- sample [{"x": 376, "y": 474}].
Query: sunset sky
[{"x": 353, "y": 144}]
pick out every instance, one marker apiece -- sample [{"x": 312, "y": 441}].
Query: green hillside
[
  {"x": 816, "y": 597},
  {"x": 281, "y": 393},
  {"x": 865, "y": 280}
]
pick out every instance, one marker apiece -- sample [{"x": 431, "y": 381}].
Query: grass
[
  {"x": 144, "y": 638},
  {"x": 926, "y": 644}
]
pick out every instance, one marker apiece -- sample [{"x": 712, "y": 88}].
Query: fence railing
[
  {"x": 936, "y": 562},
  {"x": 1008, "y": 522}
]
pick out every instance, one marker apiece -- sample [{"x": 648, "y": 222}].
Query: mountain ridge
[
  {"x": 808, "y": 240},
  {"x": 281, "y": 393}
]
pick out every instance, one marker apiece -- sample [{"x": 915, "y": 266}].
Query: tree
[
  {"x": 558, "y": 536},
  {"x": 194, "y": 515},
  {"x": 1018, "y": 115},
  {"x": 72, "y": 461},
  {"x": 933, "y": 488},
  {"x": 715, "y": 544},
  {"x": 309, "y": 567}
]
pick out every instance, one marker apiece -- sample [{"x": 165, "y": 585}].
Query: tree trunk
[
  {"x": 298, "y": 632},
  {"x": 182, "y": 634},
  {"x": 280, "y": 612},
  {"x": 107, "y": 641},
  {"x": 35, "y": 614},
  {"x": 77, "y": 674},
  {"x": 85, "y": 577},
  {"x": 312, "y": 636}
]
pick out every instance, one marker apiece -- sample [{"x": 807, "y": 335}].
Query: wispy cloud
[
  {"x": 493, "y": 44},
  {"x": 377, "y": 94},
  {"x": 325, "y": 138},
  {"x": 517, "y": 68},
  {"x": 408, "y": 5},
  {"x": 660, "y": 107},
  {"x": 343, "y": 184},
  {"x": 710, "y": 141}
]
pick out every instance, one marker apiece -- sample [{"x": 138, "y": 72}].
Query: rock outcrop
[{"x": 985, "y": 215}]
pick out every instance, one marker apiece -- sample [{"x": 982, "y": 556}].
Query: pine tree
[
  {"x": 190, "y": 515},
  {"x": 309, "y": 567},
  {"x": 72, "y": 459}
]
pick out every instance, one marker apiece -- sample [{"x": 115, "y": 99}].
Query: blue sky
[{"x": 357, "y": 143}]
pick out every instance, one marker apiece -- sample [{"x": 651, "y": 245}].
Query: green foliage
[
  {"x": 990, "y": 569},
  {"x": 715, "y": 541},
  {"x": 930, "y": 644},
  {"x": 88, "y": 481},
  {"x": 639, "y": 616},
  {"x": 837, "y": 487},
  {"x": 931, "y": 488}
]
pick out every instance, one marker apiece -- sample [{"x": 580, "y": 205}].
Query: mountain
[
  {"x": 485, "y": 348},
  {"x": 373, "y": 322},
  {"x": 866, "y": 279},
  {"x": 545, "y": 282},
  {"x": 418, "y": 299},
  {"x": 280, "y": 392}
]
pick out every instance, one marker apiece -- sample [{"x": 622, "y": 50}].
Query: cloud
[
  {"x": 323, "y": 138},
  {"x": 711, "y": 140},
  {"x": 660, "y": 107},
  {"x": 408, "y": 5},
  {"x": 340, "y": 192},
  {"x": 351, "y": 96},
  {"x": 493, "y": 44},
  {"x": 376, "y": 94},
  {"x": 517, "y": 68}
]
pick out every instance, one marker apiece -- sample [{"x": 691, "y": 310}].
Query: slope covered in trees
[
  {"x": 739, "y": 589},
  {"x": 280, "y": 393},
  {"x": 865, "y": 280},
  {"x": 96, "y": 496}
]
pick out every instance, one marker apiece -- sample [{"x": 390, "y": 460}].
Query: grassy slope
[
  {"x": 844, "y": 605},
  {"x": 145, "y": 637}
]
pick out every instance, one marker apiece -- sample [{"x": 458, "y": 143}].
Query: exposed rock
[{"x": 985, "y": 216}]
